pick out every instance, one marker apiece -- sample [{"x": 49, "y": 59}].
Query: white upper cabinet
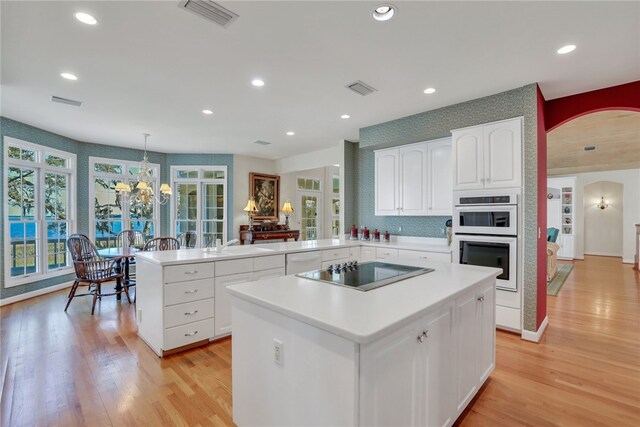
[
  {"x": 440, "y": 178},
  {"x": 414, "y": 180},
  {"x": 488, "y": 156}
]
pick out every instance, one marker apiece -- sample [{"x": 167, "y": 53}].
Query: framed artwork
[{"x": 265, "y": 190}]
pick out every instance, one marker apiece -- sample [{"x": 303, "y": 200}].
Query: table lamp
[
  {"x": 251, "y": 210},
  {"x": 287, "y": 209}
]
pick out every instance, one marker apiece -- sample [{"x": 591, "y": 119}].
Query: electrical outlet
[
  {"x": 278, "y": 351},
  {"x": 399, "y": 229}
]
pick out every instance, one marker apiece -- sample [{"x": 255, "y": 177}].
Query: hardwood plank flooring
[{"x": 74, "y": 369}]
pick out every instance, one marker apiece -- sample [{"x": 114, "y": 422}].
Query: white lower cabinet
[
  {"x": 367, "y": 253},
  {"x": 566, "y": 250},
  {"x": 384, "y": 253},
  {"x": 405, "y": 377},
  {"x": 475, "y": 356},
  {"x": 240, "y": 271},
  {"x": 432, "y": 256}
]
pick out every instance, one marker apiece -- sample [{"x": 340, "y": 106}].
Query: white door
[
  {"x": 468, "y": 161},
  {"x": 502, "y": 154},
  {"x": 222, "y": 314},
  {"x": 386, "y": 182},
  {"x": 413, "y": 180},
  {"x": 310, "y": 215},
  {"x": 392, "y": 397},
  {"x": 440, "y": 177},
  {"x": 436, "y": 400}
]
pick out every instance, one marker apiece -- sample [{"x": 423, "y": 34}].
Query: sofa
[{"x": 552, "y": 253}]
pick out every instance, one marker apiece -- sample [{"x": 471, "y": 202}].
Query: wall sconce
[
  {"x": 602, "y": 204},
  {"x": 287, "y": 209}
]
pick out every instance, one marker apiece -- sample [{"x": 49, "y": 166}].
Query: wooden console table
[{"x": 269, "y": 235}]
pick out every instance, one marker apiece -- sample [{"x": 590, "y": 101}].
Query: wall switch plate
[{"x": 278, "y": 352}]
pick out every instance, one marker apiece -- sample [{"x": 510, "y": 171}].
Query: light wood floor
[{"x": 72, "y": 369}]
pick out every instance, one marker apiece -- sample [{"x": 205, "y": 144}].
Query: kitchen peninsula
[{"x": 413, "y": 352}]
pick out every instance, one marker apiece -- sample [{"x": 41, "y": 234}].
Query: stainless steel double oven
[{"x": 485, "y": 228}]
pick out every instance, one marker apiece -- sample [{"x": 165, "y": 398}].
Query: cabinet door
[
  {"x": 391, "y": 379},
  {"x": 413, "y": 180},
  {"x": 222, "y": 298},
  {"x": 487, "y": 308},
  {"x": 502, "y": 154},
  {"x": 367, "y": 253},
  {"x": 268, "y": 274},
  {"x": 440, "y": 176},
  {"x": 437, "y": 399},
  {"x": 354, "y": 253},
  {"x": 467, "y": 348},
  {"x": 566, "y": 247},
  {"x": 468, "y": 161},
  {"x": 386, "y": 182}
]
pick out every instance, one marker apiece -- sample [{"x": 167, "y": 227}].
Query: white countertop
[
  {"x": 362, "y": 316},
  {"x": 249, "y": 251}
]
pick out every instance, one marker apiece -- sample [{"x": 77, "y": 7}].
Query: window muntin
[{"x": 40, "y": 210}]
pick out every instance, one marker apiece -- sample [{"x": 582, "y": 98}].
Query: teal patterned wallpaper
[
  {"x": 438, "y": 124},
  {"x": 84, "y": 150}
]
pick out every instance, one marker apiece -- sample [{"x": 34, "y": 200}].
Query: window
[
  {"x": 199, "y": 202},
  {"x": 310, "y": 208},
  {"x": 111, "y": 213},
  {"x": 335, "y": 207},
  {"x": 40, "y": 208}
]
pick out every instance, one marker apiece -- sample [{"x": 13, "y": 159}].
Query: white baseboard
[
  {"x": 604, "y": 254},
  {"x": 36, "y": 293},
  {"x": 537, "y": 335}
]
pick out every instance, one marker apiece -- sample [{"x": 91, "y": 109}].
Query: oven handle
[{"x": 485, "y": 208}]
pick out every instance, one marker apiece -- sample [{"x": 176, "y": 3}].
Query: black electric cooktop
[{"x": 365, "y": 276}]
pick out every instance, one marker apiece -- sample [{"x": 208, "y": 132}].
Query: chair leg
[
  {"x": 93, "y": 306},
  {"x": 96, "y": 295},
  {"x": 126, "y": 292},
  {"x": 72, "y": 293}
]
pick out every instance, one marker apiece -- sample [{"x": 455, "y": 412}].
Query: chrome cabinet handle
[
  {"x": 481, "y": 298},
  {"x": 191, "y": 272},
  {"x": 190, "y": 334},
  {"x": 191, "y": 313},
  {"x": 192, "y": 291}
]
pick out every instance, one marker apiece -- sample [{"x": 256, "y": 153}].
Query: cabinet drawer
[
  {"x": 432, "y": 256},
  {"x": 268, "y": 262},
  {"x": 268, "y": 274},
  {"x": 178, "y": 293},
  {"x": 189, "y": 312},
  {"x": 367, "y": 254},
  {"x": 333, "y": 254},
  {"x": 187, "y": 334},
  {"x": 185, "y": 272},
  {"x": 386, "y": 253},
  {"x": 234, "y": 266}
]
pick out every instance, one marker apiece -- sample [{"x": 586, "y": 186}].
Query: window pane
[
  {"x": 336, "y": 185},
  {"x": 146, "y": 227},
  {"x": 24, "y": 248},
  {"x": 55, "y": 195},
  {"x": 316, "y": 184},
  {"x": 213, "y": 203},
  {"x": 21, "y": 194},
  {"x": 52, "y": 160},
  {"x": 335, "y": 227},
  {"x": 14, "y": 152},
  {"x": 106, "y": 233},
  {"x": 301, "y": 183},
  {"x": 186, "y": 201},
  {"x": 336, "y": 206},
  {"x": 28, "y": 155},
  {"x": 187, "y": 173},
  {"x": 107, "y": 168},
  {"x": 107, "y": 203}
]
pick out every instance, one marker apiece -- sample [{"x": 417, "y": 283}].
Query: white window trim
[
  {"x": 199, "y": 181},
  {"x": 42, "y": 168},
  {"x": 126, "y": 221},
  {"x": 335, "y": 196}
]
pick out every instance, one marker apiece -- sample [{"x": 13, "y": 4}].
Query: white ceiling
[{"x": 149, "y": 66}]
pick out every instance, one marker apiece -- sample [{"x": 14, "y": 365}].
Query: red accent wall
[
  {"x": 561, "y": 110},
  {"x": 541, "y": 294}
]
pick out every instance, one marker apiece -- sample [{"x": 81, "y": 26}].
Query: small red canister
[
  {"x": 376, "y": 235},
  {"x": 387, "y": 238},
  {"x": 365, "y": 234}
]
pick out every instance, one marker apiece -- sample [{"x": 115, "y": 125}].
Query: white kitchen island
[{"x": 415, "y": 352}]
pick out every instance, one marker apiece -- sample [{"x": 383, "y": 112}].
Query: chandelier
[{"x": 143, "y": 196}]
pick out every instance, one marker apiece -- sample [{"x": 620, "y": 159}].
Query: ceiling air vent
[
  {"x": 261, "y": 142},
  {"x": 66, "y": 101},
  {"x": 361, "y": 88},
  {"x": 590, "y": 148},
  {"x": 210, "y": 11}
]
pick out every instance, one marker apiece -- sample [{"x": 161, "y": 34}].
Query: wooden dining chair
[
  {"x": 187, "y": 239},
  {"x": 162, "y": 244},
  {"x": 131, "y": 239},
  {"x": 92, "y": 270}
]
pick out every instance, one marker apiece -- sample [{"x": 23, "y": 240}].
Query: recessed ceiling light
[
  {"x": 345, "y": 116},
  {"x": 384, "y": 12},
  {"x": 68, "y": 76},
  {"x": 566, "y": 49},
  {"x": 291, "y": 133},
  {"x": 429, "y": 90},
  {"x": 85, "y": 18},
  {"x": 208, "y": 112},
  {"x": 257, "y": 82}
]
